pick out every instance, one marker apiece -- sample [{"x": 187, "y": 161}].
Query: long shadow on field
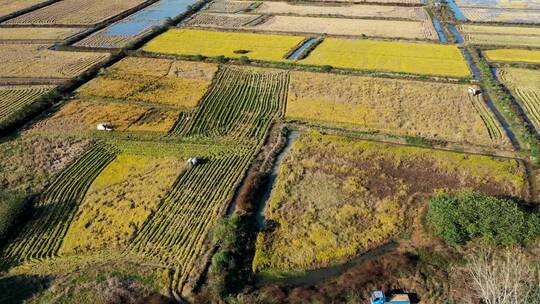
[{"x": 17, "y": 289}]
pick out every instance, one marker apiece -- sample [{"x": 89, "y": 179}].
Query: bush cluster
[{"x": 463, "y": 216}]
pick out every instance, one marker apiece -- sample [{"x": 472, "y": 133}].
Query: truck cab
[{"x": 379, "y": 297}]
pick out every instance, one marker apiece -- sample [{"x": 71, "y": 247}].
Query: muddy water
[
  {"x": 291, "y": 138},
  {"x": 308, "y": 43},
  {"x": 438, "y": 28}
]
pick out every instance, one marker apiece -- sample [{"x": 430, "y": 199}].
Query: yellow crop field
[
  {"x": 52, "y": 34},
  {"x": 11, "y": 6},
  {"x": 525, "y": 86},
  {"x": 75, "y": 12},
  {"x": 414, "y": 108},
  {"x": 401, "y": 57},
  {"x": 79, "y": 115},
  {"x": 160, "y": 81},
  {"x": 513, "y": 55},
  {"x": 336, "y": 198},
  {"x": 37, "y": 61},
  {"x": 119, "y": 201},
  {"x": 229, "y": 44}
]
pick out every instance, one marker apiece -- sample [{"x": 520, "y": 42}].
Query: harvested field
[
  {"x": 75, "y": 12},
  {"x": 502, "y": 15},
  {"x": 513, "y": 55},
  {"x": 11, "y": 6},
  {"x": 399, "y": 2},
  {"x": 514, "y": 4},
  {"x": 79, "y": 116},
  {"x": 502, "y": 35},
  {"x": 119, "y": 201},
  {"x": 525, "y": 86},
  {"x": 402, "y": 107},
  {"x": 400, "y": 57},
  {"x": 137, "y": 25},
  {"x": 229, "y": 44},
  {"x": 336, "y": 198},
  {"x": 179, "y": 84},
  {"x": 220, "y": 20},
  {"x": 14, "y": 98},
  {"x": 224, "y": 6},
  {"x": 347, "y": 10},
  {"x": 36, "y": 61},
  {"x": 41, "y": 34}
]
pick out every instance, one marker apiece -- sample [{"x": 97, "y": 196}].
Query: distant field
[
  {"x": 36, "y": 61},
  {"x": 402, "y": 2},
  {"x": 525, "y": 86},
  {"x": 11, "y": 6},
  {"x": 212, "y": 44},
  {"x": 75, "y": 12},
  {"x": 515, "y": 4},
  {"x": 319, "y": 25},
  {"x": 13, "y": 98},
  {"x": 413, "y": 108},
  {"x": 346, "y": 10},
  {"x": 178, "y": 84},
  {"x": 402, "y": 57},
  {"x": 502, "y": 35},
  {"x": 225, "y": 6},
  {"x": 51, "y": 34},
  {"x": 513, "y": 55},
  {"x": 501, "y": 15},
  {"x": 336, "y": 198}
]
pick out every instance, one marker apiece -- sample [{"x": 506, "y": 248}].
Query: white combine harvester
[{"x": 105, "y": 126}]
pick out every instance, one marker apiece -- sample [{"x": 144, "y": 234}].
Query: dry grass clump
[
  {"x": 174, "y": 83},
  {"x": 119, "y": 201},
  {"x": 352, "y": 27},
  {"x": 414, "y": 108},
  {"x": 31, "y": 60},
  {"x": 38, "y": 33},
  {"x": 75, "y": 12},
  {"x": 79, "y": 115},
  {"x": 335, "y": 198}
]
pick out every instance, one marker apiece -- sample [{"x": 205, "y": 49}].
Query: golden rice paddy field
[
  {"x": 179, "y": 84},
  {"x": 501, "y": 15},
  {"x": 346, "y": 10},
  {"x": 75, "y": 12},
  {"x": 401, "y": 107},
  {"x": 400, "y": 57},
  {"x": 336, "y": 198},
  {"x": 525, "y": 86},
  {"x": 513, "y": 55},
  {"x": 229, "y": 44},
  {"x": 14, "y": 98},
  {"x": 501, "y": 35},
  {"x": 37, "y": 61},
  {"x": 320, "y": 25},
  {"x": 31, "y": 34},
  {"x": 11, "y": 6}
]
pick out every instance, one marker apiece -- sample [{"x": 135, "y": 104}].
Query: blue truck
[{"x": 380, "y": 297}]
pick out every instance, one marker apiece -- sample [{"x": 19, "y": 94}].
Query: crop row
[
  {"x": 241, "y": 104},
  {"x": 176, "y": 233},
  {"x": 53, "y": 211},
  {"x": 13, "y": 99},
  {"x": 491, "y": 123}
]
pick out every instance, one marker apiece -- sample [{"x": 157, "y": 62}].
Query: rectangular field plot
[
  {"x": 130, "y": 29},
  {"x": 229, "y": 44},
  {"x": 346, "y": 10},
  {"x": 513, "y": 55},
  {"x": 502, "y": 35},
  {"x": 501, "y": 15},
  {"x": 11, "y": 6},
  {"x": 525, "y": 86},
  {"x": 402, "y": 107},
  {"x": 397, "y": 2},
  {"x": 320, "y": 25},
  {"x": 75, "y": 12},
  {"x": 336, "y": 198},
  {"x": 36, "y": 61},
  {"x": 400, "y": 57},
  {"x": 178, "y": 84},
  {"x": 225, "y": 6},
  {"x": 119, "y": 201},
  {"x": 515, "y": 4},
  {"x": 15, "y": 98},
  {"x": 37, "y": 34}
]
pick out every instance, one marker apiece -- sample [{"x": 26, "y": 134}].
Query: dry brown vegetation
[
  {"x": 52, "y": 34},
  {"x": 220, "y": 20},
  {"x": 224, "y": 6},
  {"x": 11, "y": 6}
]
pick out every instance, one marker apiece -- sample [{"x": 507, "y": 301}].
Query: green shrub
[{"x": 462, "y": 216}]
